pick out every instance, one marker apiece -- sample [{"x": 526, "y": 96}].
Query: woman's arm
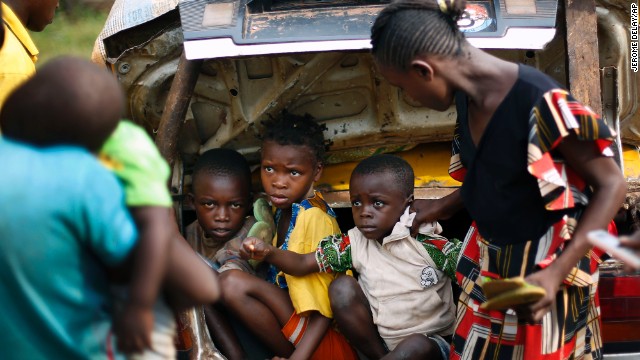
[
  {"x": 632, "y": 242},
  {"x": 609, "y": 189},
  {"x": 429, "y": 210}
]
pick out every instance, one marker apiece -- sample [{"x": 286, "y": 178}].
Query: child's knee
[
  {"x": 416, "y": 346},
  {"x": 232, "y": 285},
  {"x": 343, "y": 292}
]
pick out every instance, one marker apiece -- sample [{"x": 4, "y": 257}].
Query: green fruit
[
  {"x": 262, "y": 231},
  {"x": 262, "y": 212}
]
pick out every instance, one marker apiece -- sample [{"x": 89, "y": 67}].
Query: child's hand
[
  {"x": 133, "y": 327},
  {"x": 254, "y": 249},
  {"x": 549, "y": 280}
]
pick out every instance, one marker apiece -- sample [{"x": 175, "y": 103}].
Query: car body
[{"x": 257, "y": 58}]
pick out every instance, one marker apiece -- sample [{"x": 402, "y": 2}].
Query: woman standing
[{"x": 537, "y": 176}]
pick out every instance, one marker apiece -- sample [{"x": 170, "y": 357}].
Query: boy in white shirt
[{"x": 404, "y": 303}]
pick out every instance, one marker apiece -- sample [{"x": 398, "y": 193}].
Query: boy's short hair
[
  {"x": 290, "y": 129},
  {"x": 222, "y": 162},
  {"x": 386, "y": 163},
  {"x": 69, "y": 101}
]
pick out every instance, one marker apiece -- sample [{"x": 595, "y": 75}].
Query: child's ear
[
  {"x": 318, "y": 171},
  {"x": 409, "y": 200},
  {"x": 423, "y": 69},
  {"x": 190, "y": 200}
]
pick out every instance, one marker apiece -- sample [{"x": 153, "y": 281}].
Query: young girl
[
  {"x": 293, "y": 318},
  {"x": 536, "y": 178}
]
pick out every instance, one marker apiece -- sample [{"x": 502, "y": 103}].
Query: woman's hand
[
  {"x": 631, "y": 242},
  {"x": 430, "y": 210},
  {"x": 548, "y": 279}
]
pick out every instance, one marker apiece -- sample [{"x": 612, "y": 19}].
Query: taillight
[{"x": 619, "y": 303}]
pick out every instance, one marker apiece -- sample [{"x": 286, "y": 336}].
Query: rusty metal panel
[{"x": 582, "y": 49}]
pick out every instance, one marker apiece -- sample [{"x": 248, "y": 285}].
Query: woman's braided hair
[{"x": 409, "y": 28}]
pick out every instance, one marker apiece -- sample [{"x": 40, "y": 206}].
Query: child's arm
[
  {"x": 443, "y": 252},
  {"x": 333, "y": 255},
  {"x": 134, "y": 325},
  {"x": 189, "y": 280},
  {"x": 609, "y": 189},
  {"x": 288, "y": 261}
]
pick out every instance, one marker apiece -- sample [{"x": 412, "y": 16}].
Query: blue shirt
[{"x": 62, "y": 219}]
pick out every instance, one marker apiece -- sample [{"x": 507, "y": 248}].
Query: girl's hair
[
  {"x": 409, "y": 28},
  {"x": 289, "y": 129}
]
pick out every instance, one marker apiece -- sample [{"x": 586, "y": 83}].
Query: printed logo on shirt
[{"x": 429, "y": 277}]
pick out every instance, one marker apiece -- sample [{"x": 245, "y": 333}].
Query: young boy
[
  {"x": 403, "y": 303},
  {"x": 46, "y": 112},
  {"x": 221, "y": 196}
]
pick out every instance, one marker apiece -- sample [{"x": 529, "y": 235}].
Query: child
[
  {"x": 221, "y": 196},
  {"x": 537, "y": 177},
  {"x": 56, "y": 122},
  {"x": 403, "y": 305},
  {"x": 144, "y": 321},
  {"x": 54, "y": 251},
  {"x": 292, "y": 318}
]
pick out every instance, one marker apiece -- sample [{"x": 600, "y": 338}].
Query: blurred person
[
  {"x": 1, "y": 30},
  {"x": 19, "y": 54},
  {"x": 45, "y": 114},
  {"x": 631, "y": 242},
  {"x": 54, "y": 252}
]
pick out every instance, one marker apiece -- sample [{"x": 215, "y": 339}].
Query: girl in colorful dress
[
  {"x": 536, "y": 176},
  {"x": 289, "y": 314}
]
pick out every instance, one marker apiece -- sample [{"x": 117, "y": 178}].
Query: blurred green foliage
[{"x": 73, "y": 32}]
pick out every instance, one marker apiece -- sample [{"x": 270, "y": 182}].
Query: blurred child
[
  {"x": 403, "y": 305},
  {"x": 144, "y": 321},
  {"x": 221, "y": 196},
  {"x": 64, "y": 217},
  {"x": 292, "y": 318},
  {"x": 146, "y": 196}
]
